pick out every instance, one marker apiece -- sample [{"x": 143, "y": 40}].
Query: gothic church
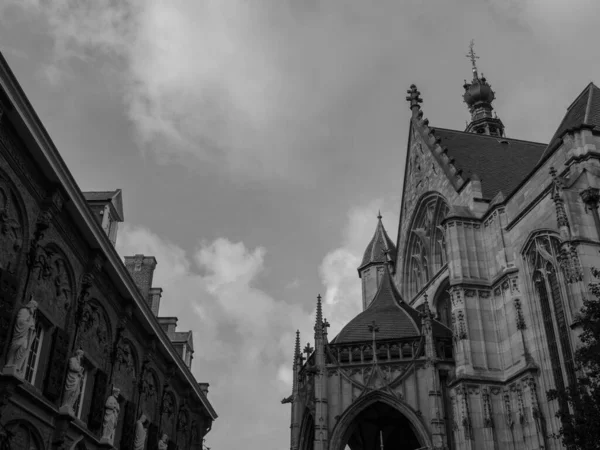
[{"x": 470, "y": 317}]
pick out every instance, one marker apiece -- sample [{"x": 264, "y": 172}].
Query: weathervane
[{"x": 472, "y": 56}]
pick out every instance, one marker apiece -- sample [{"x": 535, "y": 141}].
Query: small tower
[
  {"x": 378, "y": 253},
  {"x": 479, "y": 97}
]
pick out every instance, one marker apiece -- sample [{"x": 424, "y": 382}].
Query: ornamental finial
[{"x": 473, "y": 57}]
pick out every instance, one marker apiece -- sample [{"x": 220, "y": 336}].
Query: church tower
[
  {"x": 479, "y": 97},
  {"x": 378, "y": 253}
]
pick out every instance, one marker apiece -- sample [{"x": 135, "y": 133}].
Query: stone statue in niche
[
  {"x": 148, "y": 395},
  {"x": 111, "y": 416},
  {"x": 11, "y": 232},
  {"x": 23, "y": 337},
  {"x": 94, "y": 336},
  {"x": 163, "y": 442},
  {"x": 52, "y": 284},
  {"x": 73, "y": 383},
  {"x": 141, "y": 427},
  {"x": 124, "y": 359}
]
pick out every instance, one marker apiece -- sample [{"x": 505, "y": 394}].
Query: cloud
[
  {"x": 243, "y": 338},
  {"x": 338, "y": 270}
]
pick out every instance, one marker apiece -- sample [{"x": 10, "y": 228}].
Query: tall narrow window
[
  {"x": 425, "y": 249},
  {"x": 542, "y": 255},
  {"x": 78, "y": 406},
  {"x": 33, "y": 359}
]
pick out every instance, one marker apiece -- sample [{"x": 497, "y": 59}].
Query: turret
[
  {"x": 479, "y": 97},
  {"x": 380, "y": 251}
]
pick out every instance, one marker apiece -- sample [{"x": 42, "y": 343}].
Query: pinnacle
[{"x": 319, "y": 319}]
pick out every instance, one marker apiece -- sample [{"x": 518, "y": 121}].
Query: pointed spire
[
  {"x": 379, "y": 215},
  {"x": 297, "y": 347},
  {"x": 319, "y": 318},
  {"x": 380, "y": 243}
]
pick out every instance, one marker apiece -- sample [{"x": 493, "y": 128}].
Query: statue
[
  {"x": 111, "y": 416},
  {"x": 23, "y": 337},
  {"x": 73, "y": 383},
  {"x": 140, "y": 433},
  {"x": 162, "y": 443}
]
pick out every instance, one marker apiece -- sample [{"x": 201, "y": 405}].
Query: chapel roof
[
  {"x": 380, "y": 245},
  {"x": 584, "y": 111},
  {"x": 395, "y": 318},
  {"x": 500, "y": 163}
]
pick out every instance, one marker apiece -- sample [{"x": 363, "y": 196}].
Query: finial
[
  {"x": 427, "y": 311},
  {"x": 319, "y": 319},
  {"x": 473, "y": 57},
  {"x": 379, "y": 215},
  {"x": 413, "y": 97},
  {"x": 297, "y": 347},
  {"x": 325, "y": 326}
]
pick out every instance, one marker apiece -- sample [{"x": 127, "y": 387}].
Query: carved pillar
[{"x": 461, "y": 338}]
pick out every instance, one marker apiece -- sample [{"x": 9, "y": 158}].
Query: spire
[
  {"x": 319, "y": 319},
  {"x": 380, "y": 244},
  {"x": 479, "y": 97}
]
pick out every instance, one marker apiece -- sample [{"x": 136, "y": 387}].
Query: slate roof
[
  {"x": 394, "y": 317},
  {"x": 380, "y": 243},
  {"x": 584, "y": 111},
  {"x": 500, "y": 163}
]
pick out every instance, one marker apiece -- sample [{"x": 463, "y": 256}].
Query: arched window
[
  {"x": 542, "y": 256},
  {"x": 426, "y": 247},
  {"x": 442, "y": 305}
]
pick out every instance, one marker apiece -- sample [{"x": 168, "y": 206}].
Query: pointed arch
[
  {"x": 27, "y": 433},
  {"x": 425, "y": 250},
  {"x": 150, "y": 393},
  {"x": 168, "y": 416},
  {"x": 442, "y": 304},
  {"x": 344, "y": 424},
  {"x": 307, "y": 431},
  {"x": 542, "y": 255}
]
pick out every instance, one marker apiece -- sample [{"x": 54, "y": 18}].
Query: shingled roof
[
  {"x": 583, "y": 112},
  {"x": 500, "y": 163},
  {"x": 378, "y": 247}
]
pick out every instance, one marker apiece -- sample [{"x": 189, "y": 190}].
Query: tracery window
[
  {"x": 426, "y": 247},
  {"x": 542, "y": 256}
]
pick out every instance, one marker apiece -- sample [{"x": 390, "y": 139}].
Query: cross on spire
[
  {"x": 308, "y": 350},
  {"x": 325, "y": 326},
  {"x": 471, "y": 55},
  {"x": 413, "y": 97}
]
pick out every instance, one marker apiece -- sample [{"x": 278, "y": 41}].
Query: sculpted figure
[
  {"x": 23, "y": 336},
  {"x": 162, "y": 443},
  {"x": 111, "y": 416},
  {"x": 140, "y": 433},
  {"x": 74, "y": 379}
]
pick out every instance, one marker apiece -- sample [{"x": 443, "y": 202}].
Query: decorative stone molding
[{"x": 520, "y": 319}]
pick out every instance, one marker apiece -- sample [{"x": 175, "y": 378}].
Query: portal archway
[{"x": 379, "y": 416}]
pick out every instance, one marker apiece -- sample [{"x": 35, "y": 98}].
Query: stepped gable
[
  {"x": 499, "y": 162},
  {"x": 584, "y": 112},
  {"x": 378, "y": 247},
  {"x": 394, "y": 317}
]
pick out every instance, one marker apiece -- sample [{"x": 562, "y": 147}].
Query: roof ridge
[
  {"x": 588, "y": 107},
  {"x": 498, "y": 138},
  {"x": 587, "y": 86}
]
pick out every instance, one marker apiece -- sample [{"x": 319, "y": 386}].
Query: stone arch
[
  {"x": 79, "y": 444},
  {"x": 307, "y": 431},
  {"x": 344, "y": 424},
  {"x": 126, "y": 368},
  {"x": 425, "y": 250},
  {"x": 168, "y": 416},
  {"x": 95, "y": 334},
  {"x": 52, "y": 283},
  {"x": 14, "y": 226},
  {"x": 150, "y": 394},
  {"x": 26, "y": 433}
]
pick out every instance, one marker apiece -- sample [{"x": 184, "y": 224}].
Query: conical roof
[
  {"x": 380, "y": 244},
  {"x": 394, "y": 317}
]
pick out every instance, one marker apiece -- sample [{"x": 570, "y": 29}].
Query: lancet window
[
  {"x": 542, "y": 256},
  {"x": 426, "y": 247}
]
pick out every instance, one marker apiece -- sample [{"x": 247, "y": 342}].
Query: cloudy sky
[{"x": 255, "y": 140}]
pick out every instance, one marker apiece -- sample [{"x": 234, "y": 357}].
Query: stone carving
[
  {"x": 52, "y": 284},
  {"x": 487, "y": 410},
  {"x": 94, "y": 337},
  {"x": 111, "y": 416},
  {"x": 74, "y": 381},
  {"x": 163, "y": 442},
  {"x": 141, "y": 427},
  {"x": 23, "y": 337},
  {"x": 11, "y": 232},
  {"x": 520, "y": 318}
]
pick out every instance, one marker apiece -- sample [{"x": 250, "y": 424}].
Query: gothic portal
[{"x": 470, "y": 316}]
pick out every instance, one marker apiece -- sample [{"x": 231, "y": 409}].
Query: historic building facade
[
  {"x": 470, "y": 316},
  {"x": 85, "y": 360}
]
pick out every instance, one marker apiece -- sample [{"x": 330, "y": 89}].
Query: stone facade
[
  {"x": 505, "y": 269},
  {"x": 53, "y": 249}
]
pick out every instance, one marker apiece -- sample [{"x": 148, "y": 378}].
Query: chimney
[
  {"x": 168, "y": 324},
  {"x": 141, "y": 269},
  {"x": 204, "y": 388},
  {"x": 154, "y": 295}
]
